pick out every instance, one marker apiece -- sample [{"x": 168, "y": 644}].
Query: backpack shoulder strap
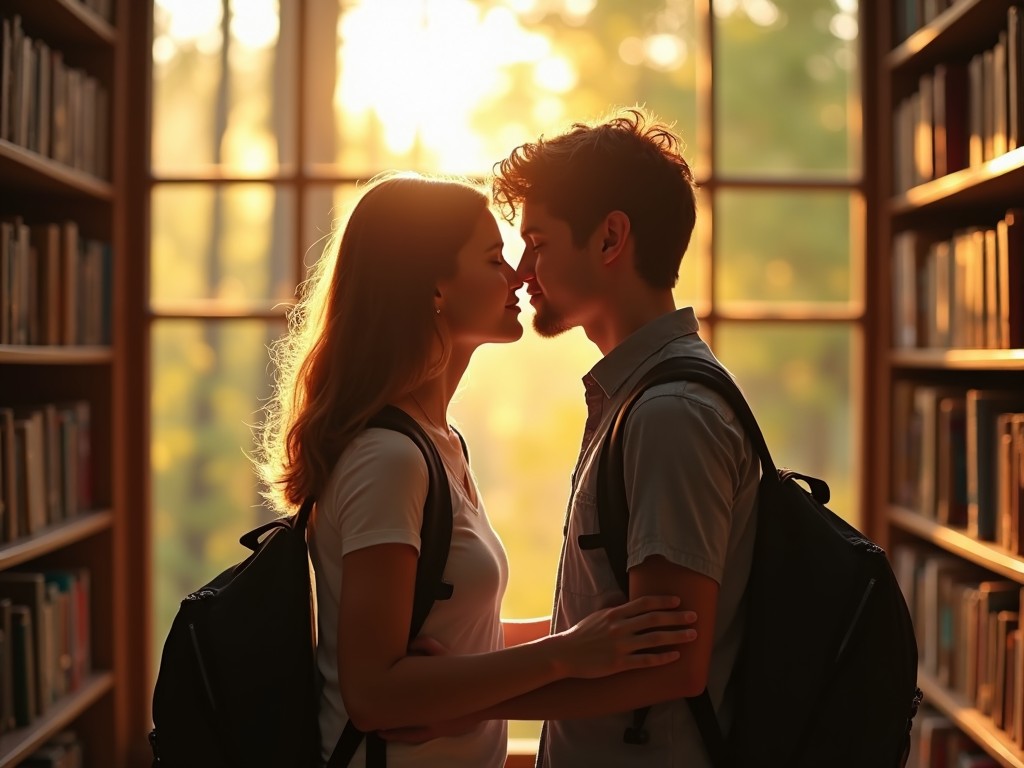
[
  {"x": 435, "y": 541},
  {"x": 613, "y": 510},
  {"x": 436, "y": 531},
  {"x": 462, "y": 440},
  {"x": 612, "y": 505}
]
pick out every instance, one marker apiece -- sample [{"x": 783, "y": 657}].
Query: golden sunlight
[{"x": 422, "y": 75}]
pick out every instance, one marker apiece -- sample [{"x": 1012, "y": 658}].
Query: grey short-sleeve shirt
[{"x": 691, "y": 478}]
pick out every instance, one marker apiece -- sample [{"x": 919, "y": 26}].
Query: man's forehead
[{"x": 534, "y": 218}]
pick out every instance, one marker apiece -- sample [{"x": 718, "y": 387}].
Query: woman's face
[{"x": 479, "y": 304}]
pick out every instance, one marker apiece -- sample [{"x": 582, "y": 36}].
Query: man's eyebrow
[
  {"x": 496, "y": 246},
  {"x": 534, "y": 230}
]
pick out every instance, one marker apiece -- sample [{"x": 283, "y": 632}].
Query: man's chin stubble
[{"x": 548, "y": 326}]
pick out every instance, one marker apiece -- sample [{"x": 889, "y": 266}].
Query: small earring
[{"x": 437, "y": 311}]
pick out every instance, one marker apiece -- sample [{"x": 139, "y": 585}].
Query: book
[
  {"x": 24, "y": 682},
  {"x": 29, "y": 446},
  {"x": 935, "y": 628},
  {"x": 8, "y": 475},
  {"x": 993, "y": 596},
  {"x": 983, "y": 408},
  {"x": 950, "y": 641},
  {"x": 1002, "y": 624},
  {"x": 951, "y": 136},
  {"x": 29, "y": 590},
  {"x": 951, "y": 469},
  {"x": 1015, "y": 77},
  {"x": 6, "y": 667},
  {"x": 1010, "y": 278},
  {"x": 926, "y": 411}
]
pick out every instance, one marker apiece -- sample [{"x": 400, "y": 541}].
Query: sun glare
[
  {"x": 422, "y": 75},
  {"x": 198, "y": 22}
]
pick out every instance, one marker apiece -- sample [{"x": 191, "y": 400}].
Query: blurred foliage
[{"x": 451, "y": 86}]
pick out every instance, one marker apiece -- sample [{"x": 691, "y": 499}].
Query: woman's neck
[{"x": 431, "y": 398}]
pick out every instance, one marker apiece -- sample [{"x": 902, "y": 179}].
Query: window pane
[
  {"x": 217, "y": 102},
  {"x": 786, "y": 78},
  {"x": 453, "y": 85},
  {"x": 229, "y": 243},
  {"x": 326, "y": 209},
  {"x": 785, "y": 246},
  {"x": 208, "y": 381},
  {"x": 798, "y": 380},
  {"x": 694, "y": 285}
]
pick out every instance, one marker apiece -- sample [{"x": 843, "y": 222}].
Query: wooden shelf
[
  {"x": 17, "y": 745},
  {"x": 62, "y": 21},
  {"x": 956, "y": 541},
  {"x": 34, "y": 355},
  {"x": 965, "y": 25},
  {"x": 54, "y": 537},
  {"x": 31, "y": 172},
  {"x": 959, "y": 359},
  {"x": 997, "y": 182},
  {"x": 977, "y": 726}
]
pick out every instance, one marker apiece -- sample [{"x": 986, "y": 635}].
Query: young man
[{"x": 606, "y": 213}]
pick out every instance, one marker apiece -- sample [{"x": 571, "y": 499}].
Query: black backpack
[
  {"x": 237, "y": 685},
  {"x": 827, "y": 671}
]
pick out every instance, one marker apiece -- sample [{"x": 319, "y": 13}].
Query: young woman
[{"x": 392, "y": 315}]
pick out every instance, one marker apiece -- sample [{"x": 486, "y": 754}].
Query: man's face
[{"x": 559, "y": 276}]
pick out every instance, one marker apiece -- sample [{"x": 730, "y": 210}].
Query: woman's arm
[{"x": 384, "y": 688}]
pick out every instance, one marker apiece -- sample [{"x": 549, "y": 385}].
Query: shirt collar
[{"x": 612, "y": 371}]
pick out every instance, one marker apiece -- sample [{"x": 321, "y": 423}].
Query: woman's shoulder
[{"x": 382, "y": 451}]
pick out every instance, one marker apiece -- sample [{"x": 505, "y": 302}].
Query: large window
[{"x": 267, "y": 115}]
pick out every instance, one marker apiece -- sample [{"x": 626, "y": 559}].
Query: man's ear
[{"x": 614, "y": 232}]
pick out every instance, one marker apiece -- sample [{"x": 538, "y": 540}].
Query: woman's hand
[{"x": 634, "y": 635}]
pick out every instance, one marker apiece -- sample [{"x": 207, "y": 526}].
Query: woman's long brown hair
[{"x": 364, "y": 331}]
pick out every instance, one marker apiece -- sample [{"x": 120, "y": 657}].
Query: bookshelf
[
  {"x": 69, "y": 311},
  {"x": 945, "y": 130}
]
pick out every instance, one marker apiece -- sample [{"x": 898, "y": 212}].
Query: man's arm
[
  {"x": 629, "y": 690},
  {"x": 681, "y": 463}
]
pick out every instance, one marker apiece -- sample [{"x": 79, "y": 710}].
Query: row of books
[
  {"x": 55, "y": 286},
  {"x": 957, "y": 458},
  {"x": 45, "y": 466},
  {"x": 936, "y": 742},
  {"x": 62, "y": 751},
  {"x": 48, "y": 106},
  {"x": 963, "y": 113},
  {"x": 910, "y": 15},
  {"x": 963, "y": 289},
  {"x": 968, "y": 629},
  {"x": 45, "y": 649}
]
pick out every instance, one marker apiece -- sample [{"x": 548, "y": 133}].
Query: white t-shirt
[{"x": 375, "y": 495}]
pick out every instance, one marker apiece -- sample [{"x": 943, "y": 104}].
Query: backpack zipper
[
  {"x": 856, "y": 618},
  {"x": 202, "y": 667}
]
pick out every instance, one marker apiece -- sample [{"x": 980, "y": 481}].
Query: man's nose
[{"x": 524, "y": 271}]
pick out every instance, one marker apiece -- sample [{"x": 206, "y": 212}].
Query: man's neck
[{"x": 615, "y": 322}]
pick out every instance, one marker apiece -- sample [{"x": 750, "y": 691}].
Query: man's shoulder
[{"x": 682, "y": 401}]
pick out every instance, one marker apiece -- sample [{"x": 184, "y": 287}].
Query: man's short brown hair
[{"x": 629, "y": 162}]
